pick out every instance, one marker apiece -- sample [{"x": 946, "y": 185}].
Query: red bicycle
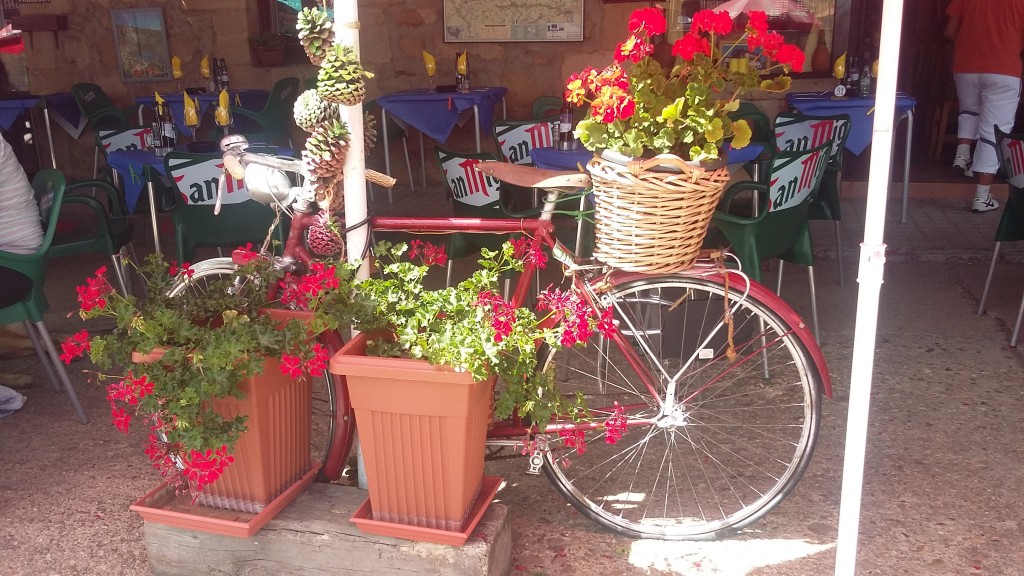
[{"x": 718, "y": 380}]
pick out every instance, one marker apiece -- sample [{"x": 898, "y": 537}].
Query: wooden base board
[{"x": 313, "y": 535}]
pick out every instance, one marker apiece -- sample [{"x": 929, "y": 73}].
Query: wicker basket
[{"x": 653, "y": 220}]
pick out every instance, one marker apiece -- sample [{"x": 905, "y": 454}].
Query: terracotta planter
[
  {"x": 422, "y": 429},
  {"x": 273, "y": 453}
]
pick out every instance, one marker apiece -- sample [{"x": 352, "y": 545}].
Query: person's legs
[
  {"x": 968, "y": 95},
  {"x": 999, "y": 98},
  {"x": 14, "y": 286}
]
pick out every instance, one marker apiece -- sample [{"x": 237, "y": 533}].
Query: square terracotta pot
[{"x": 422, "y": 429}]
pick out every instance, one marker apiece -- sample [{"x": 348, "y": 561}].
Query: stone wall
[{"x": 393, "y": 33}]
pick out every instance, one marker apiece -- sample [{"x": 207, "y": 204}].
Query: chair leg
[
  {"x": 814, "y": 302},
  {"x": 369, "y": 190},
  {"x": 778, "y": 282},
  {"x": 1016, "y": 325},
  {"x": 119, "y": 272},
  {"x": 40, "y": 348},
  {"x": 448, "y": 277},
  {"x": 58, "y": 367},
  {"x": 988, "y": 279},
  {"x": 839, "y": 255},
  {"x": 408, "y": 168}
]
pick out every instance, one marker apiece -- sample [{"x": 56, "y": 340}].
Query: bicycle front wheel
[
  {"x": 331, "y": 419},
  {"x": 722, "y": 442}
]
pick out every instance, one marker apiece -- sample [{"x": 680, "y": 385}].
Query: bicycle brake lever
[{"x": 220, "y": 192}]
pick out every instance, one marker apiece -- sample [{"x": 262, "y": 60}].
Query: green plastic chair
[
  {"x": 760, "y": 133},
  {"x": 778, "y": 227},
  {"x": 545, "y": 106},
  {"x": 100, "y": 113},
  {"x": 1011, "y": 224},
  {"x": 98, "y": 109},
  {"x": 49, "y": 188},
  {"x": 794, "y": 130},
  {"x": 275, "y": 119},
  {"x": 195, "y": 178},
  {"x": 97, "y": 226}
]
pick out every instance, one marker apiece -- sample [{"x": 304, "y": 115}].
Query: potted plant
[
  {"x": 269, "y": 49},
  {"x": 647, "y": 217},
  {"x": 422, "y": 377},
  {"x": 207, "y": 375}
]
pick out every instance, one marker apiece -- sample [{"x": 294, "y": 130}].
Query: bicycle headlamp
[{"x": 269, "y": 185}]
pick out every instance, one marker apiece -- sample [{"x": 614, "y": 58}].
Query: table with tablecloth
[
  {"x": 437, "y": 113},
  {"x": 250, "y": 99},
  {"x": 862, "y": 115},
  {"x": 65, "y": 110}
]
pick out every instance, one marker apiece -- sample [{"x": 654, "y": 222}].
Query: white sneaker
[
  {"x": 984, "y": 204},
  {"x": 962, "y": 166}
]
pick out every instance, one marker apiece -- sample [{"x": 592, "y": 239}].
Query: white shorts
[{"x": 985, "y": 101}]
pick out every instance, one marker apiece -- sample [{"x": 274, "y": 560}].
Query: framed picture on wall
[{"x": 141, "y": 41}]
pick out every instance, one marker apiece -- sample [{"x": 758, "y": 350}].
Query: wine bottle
[
  {"x": 866, "y": 88},
  {"x": 224, "y": 81},
  {"x": 168, "y": 135},
  {"x": 565, "y": 126},
  {"x": 853, "y": 78}
]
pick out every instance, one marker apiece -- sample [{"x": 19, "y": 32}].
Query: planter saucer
[
  {"x": 363, "y": 518},
  {"x": 162, "y": 506}
]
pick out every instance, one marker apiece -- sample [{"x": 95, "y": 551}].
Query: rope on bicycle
[{"x": 719, "y": 259}]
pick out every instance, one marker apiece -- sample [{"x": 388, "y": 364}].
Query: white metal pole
[
  {"x": 346, "y": 31},
  {"x": 872, "y": 263}
]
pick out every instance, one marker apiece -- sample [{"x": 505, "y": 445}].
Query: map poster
[{"x": 519, "y": 21}]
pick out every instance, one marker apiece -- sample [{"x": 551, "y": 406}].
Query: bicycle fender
[
  {"x": 771, "y": 299},
  {"x": 800, "y": 328}
]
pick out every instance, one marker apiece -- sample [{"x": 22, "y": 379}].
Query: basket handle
[{"x": 638, "y": 165}]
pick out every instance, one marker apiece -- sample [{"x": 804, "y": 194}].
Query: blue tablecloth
[
  {"x": 554, "y": 159},
  {"x": 11, "y": 108},
  {"x": 65, "y": 112},
  {"x": 248, "y": 99},
  {"x": 436, "y": 113},
  {"x": 136, "y": 167},
  {"x": 860, "y": 109}
]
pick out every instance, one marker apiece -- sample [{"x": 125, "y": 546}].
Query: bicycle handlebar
[{"x": 236, "y": 157}]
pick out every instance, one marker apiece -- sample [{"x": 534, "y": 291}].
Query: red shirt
[{"x": 990, "y": 38}]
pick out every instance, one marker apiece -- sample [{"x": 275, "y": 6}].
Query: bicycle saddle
[{"x": 533, "y": 177}]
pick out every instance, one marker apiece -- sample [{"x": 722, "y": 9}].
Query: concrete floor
[{"x": 943, "y": 476}]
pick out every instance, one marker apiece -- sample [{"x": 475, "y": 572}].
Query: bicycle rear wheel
[
  {"x": 736, "y": 437},
  {"x": 332, "y": 420}
]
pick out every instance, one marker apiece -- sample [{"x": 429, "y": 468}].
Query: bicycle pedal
[{"x": 536, "y": 461}]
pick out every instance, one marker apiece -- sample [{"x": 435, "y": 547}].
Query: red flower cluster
[
  {"x": 574, "y": 438},
  {"x": 503, "y": 314},
  {"x": 615, "y": 425},
  {"x": 576, "y": 316},
  {"x": 529, "y": 250},
  {"x": 92, "y": 295},
  {"x": 185, "y": 270},
  {"x": 428, "y": 253},
  {"x": 74, "y": 346},
  {"x": 293, "y": 365},
  {"x": 612, "y": 99},
  {"x": 299, "y": 292},
  {"x": 201, "y": 468},
  {"x": 610, "y": 88}
]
